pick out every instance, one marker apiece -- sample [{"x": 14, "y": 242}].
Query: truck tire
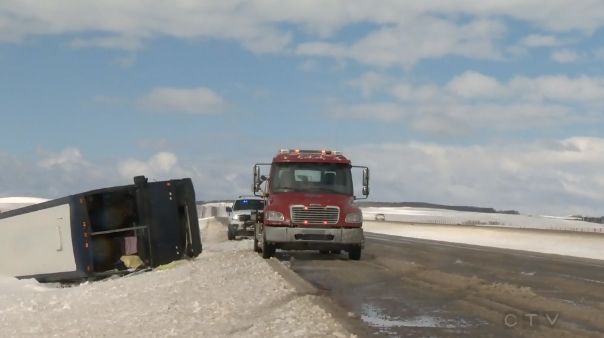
[
  {"x": 354, "y": 253},
  {"x": 268, "y": 250},
  {"x": 256, "y": 247}
]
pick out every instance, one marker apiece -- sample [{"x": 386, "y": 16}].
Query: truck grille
[
  {"x": 244, "y": 218},
  {"x": 314, "y": 237},
  {"x": 315, "y": 215}
]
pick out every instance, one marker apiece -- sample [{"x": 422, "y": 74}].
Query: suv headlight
[
  {"x": 274, "y": 216},
  {"x": 354, "y": 217}
]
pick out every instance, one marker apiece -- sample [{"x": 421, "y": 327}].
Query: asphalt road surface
[{"x": 405, "y": 287}]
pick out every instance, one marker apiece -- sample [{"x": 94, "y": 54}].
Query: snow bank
[
  {"x": 10, "y": 203},
  {"x": 452, "y": 217},
  {"x": 228, "y": 291}
]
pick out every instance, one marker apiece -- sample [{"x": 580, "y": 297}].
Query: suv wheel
[{"x": 231, "y": 233}]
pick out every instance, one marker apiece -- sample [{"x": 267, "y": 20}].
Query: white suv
[{"x": 243, "y": 216}]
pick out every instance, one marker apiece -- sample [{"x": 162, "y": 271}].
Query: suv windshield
[
  {"x": 312, "y": 177},
  {"x": 250, "y": 204}
]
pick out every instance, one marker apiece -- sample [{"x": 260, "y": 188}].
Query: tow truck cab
[{"x": 309, "y": 203}]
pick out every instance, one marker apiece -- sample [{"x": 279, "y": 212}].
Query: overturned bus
[{"x": 87, "y": 235}]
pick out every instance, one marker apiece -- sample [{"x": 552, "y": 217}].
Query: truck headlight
[
  {"x": 235, "y": 217},
  {"x": 274, "y": 216},
  {"x": 354, "y": 217}
]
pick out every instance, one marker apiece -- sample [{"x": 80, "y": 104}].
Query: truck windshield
[
  {"x": 311, "y": 177},
  {"x": 248, "y": 205}
]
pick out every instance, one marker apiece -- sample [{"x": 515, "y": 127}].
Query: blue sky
[{"x": 491, "y": 104}]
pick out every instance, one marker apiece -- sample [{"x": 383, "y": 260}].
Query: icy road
[
  {"x": 228, "y": 291},
  {"x": 414, "y": 287}
]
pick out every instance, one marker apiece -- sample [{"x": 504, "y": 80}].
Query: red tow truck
[{"x": 309, "y": 203}]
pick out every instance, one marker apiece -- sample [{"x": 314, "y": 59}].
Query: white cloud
[
  {"x": 414, "y": 40},
  {"x": 370, "y": 82},
  {"x": 554, "y": 177},
  {"x": 565, "y": 56},
  {"x": 410, "y": 93},
  {"x": 473, "y": 101},
  {"x": 163, "y": 165},
  {"x": 540, "y": 40},
  {"x": 583, "y": 89},
  {"x": 68, "y": 171},
  {"x": 52, "y": 174},
  {"x": 198, "y": 100},
  {"x": 69, "y": 160},
  {"x": 426, "y": 29},
  {"x": 126, "y": 25},
  {"x": 309, "y": 66},
  {"x": 473, "y": 84},
  {"x": 128, "y": 43}
]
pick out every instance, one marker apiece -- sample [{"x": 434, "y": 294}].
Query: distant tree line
[{"x": 590, "y": 219}]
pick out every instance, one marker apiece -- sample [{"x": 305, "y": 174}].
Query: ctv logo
[{"x": 512, "y": 319}]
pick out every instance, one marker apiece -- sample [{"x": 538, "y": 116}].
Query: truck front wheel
[
  {"x": 256, "y": 246},
  {"x": 230, "y": 233},
  {"x": 268, "y": 250},
  {"x": 354, "y": 253}
]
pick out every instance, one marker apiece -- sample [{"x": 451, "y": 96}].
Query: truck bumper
[
  {"x": 243, "y": 229},
  {"x": 314, "y": 238}
]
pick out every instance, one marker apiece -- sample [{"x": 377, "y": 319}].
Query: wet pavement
[
  {"x": 382, "y": 300},
  {"x": 420, "y": 288}
]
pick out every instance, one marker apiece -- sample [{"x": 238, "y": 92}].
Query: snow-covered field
[
  {"x": 452, "y": 217},
  {"x": 228, "y": 291},
  {"x": 568, "y": 244}
]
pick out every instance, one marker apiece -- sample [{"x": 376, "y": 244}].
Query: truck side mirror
[
  {"x": 256, "y": 174},
  {"x": 229, "y": 209},
  {"x": 258, "y": 179},
  {"x": 365, "y": 182},
  {"x": 256, "y": 182}
]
